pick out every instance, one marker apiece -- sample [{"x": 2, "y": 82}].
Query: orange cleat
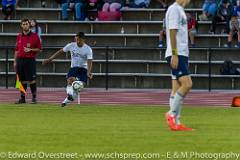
[
  {"x": 181, "y": 127},
  {"x": 171, "y": 121}
]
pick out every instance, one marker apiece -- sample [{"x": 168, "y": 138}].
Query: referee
[{"x": 27, "y": 46}]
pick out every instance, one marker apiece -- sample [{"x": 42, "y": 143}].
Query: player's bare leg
[{"x": 185, "y": 86}]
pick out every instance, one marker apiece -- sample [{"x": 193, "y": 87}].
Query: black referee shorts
[{"x": 26, "y": 69}]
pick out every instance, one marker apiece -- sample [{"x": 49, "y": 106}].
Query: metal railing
[{"x": 107, "y": 48}]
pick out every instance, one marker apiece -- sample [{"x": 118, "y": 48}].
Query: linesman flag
[{"x": 19, "y": 85}]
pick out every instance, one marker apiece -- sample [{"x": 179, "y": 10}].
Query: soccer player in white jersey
[
  {"x": 177, "y": 54},
  {"x": 81, "y": 64}
]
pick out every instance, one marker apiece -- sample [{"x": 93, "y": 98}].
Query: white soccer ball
[{"x": 77, "y": 85}]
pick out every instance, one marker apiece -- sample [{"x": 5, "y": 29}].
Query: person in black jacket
[
  {"x": 224, "y": 13},
  {"x": 93, "y": 5}
]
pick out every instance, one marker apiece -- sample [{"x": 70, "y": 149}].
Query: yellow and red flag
[{"x": 19, "y": 85}]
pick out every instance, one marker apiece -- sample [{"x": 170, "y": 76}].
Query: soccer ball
[{"x": 77, "y": 85}]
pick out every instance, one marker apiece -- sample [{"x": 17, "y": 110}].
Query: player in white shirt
[
  {"x": 177, "y": 54},
  {"x": 81, "y": 64}
]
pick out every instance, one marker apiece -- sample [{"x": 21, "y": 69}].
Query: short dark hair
[
  {"x": 80, "y": 35},
  {"x": 225, "y": 1},
  {"x": 25, "y": 20}
]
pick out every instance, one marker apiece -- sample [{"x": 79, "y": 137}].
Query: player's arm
[
  {"x": 36, "y": 50},
  {"x": 46, "y": 61},
  {"x": 173, "y": 41},
  {"x": 89, "y": 64},
  {"x": 173, "y": 23}
]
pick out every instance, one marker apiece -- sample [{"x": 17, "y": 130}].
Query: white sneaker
[
  {"x": 225, "y": 45},
  {"x": 160, "y": 45}
]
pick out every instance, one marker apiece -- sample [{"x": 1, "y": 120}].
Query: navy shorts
[
  {"x": 79, "y": 73},
  {"x": 26, "y": 69},
  {"x": 183, "y": 67}
]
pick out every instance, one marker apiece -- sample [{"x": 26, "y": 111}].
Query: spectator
[
  {"x": 139, "y": 3},
  {"x": 209, "y": 10},
  {"x": 112, "y": 5},
  {"x": 91, "y": 5},
  {"x": 8, "y": 6},
  {"x": 234, "y": 25},
  {"x": 35, "y": 28},
  {"x": 192, "y": 28},
  {"x": 77, "y": 5},
  {"x": 162, "y": 34},
  {"x": 223, "y": 15}
]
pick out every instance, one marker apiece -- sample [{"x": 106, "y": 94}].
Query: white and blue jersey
[
  {"x": 177, "y": 19},
  {"x": 79, "y": 55},
  {"x": 79, "y": 58}
]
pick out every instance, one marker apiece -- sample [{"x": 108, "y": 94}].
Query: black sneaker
[
  {"x": 20, "y": 101},
  {"x": 34, "y": 101},
  {"x": 63, "y": 104},
  {"x": 70, "y": 97}
]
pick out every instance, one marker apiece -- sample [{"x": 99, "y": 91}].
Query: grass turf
[{"x": 130, "y": 129}]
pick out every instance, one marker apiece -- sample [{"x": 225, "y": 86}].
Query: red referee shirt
[
  {"x": 30, "y": 40},
  {"x": 192, "y": 23}
]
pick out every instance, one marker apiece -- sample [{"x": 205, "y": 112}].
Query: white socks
[
  {"x": 171, "y": 103},
  {"x": 66, "y": 100},
  {"x": 176, "y": 105},
  {"x": 75, "y": 94},
  {"x": 69, "y": 90}
]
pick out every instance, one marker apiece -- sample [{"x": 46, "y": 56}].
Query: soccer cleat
[
  {"x": 70, "y": 97},
  {"x": 20, "y": 101},
  {"x": 171, "y": 121},
  {"x": 63, "y": 104},
  {"x": 181, "y": 127}
]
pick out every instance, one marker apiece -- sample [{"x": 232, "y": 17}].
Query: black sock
[
  {"x": 23, "y": 94},
  {"x": 33, "y": 87}
]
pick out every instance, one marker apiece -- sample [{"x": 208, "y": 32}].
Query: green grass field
[{"x": 123, "y": 129}]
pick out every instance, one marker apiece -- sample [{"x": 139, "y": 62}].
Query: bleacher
[{"x": 134, "y": 59}]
